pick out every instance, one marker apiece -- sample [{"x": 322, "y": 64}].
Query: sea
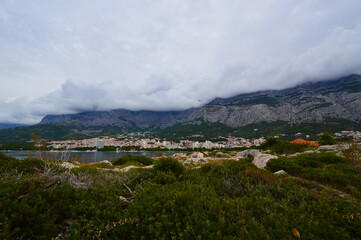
[{"x": 83, "y": 157}]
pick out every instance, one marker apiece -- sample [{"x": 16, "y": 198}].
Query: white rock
[
  {"x": 309, "y": 151},
  {"x": 196, "y": 155},
  {"x": 202, "y": 160},
  {"x": 280, "y": 172},
  {"x": 188, "y": 161},
  {"x": 126, "y": 169},
  {"x": 245, "y": 153},
  {"x": 123, "y": 199},
  {"x": 261, "y": 160},
  {"x": 68, "y": 165},
  {"x": 327, "y": 148},
  {"x": 179, "y": 155},
  {"x": 107, "y": 162}
]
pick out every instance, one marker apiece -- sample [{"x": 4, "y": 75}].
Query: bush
[
  {"x": 326, "y": 157},
  {"x": 227, "y": 200},
  {"x": 283, "y": 163},
  {"x": 164, "y": 178},
  {"x": 128, "y": 158},
  {"x": 326, "y": 139},
  {"x": 169, "y": 164},
  {"x": 285, "y": 147},
  {"x": 30, "y": 165},
  {"x": 281, "y": 147}
]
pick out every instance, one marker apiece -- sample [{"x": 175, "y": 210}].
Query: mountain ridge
[{"x": 309, "y": 102}]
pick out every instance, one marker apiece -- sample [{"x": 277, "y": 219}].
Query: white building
[{"x": 99, "y": 143}]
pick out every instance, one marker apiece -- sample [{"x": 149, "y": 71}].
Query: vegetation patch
[
  {"x": 228, "y": 200},
  {"x": 146, "y": 161}
]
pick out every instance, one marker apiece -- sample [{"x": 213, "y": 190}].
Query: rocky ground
[{"x": 196, "y": 159}]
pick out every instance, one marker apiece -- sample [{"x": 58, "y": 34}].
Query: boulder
[
  {"x": 201, "y": 160},
  {"x": 245, "y": 153},
  {"x": 107, "y": 162},
  {"x": 328, "y": 148},
  {"x": 188, "y": 161},
  {"x": 196, "y": 155},
  {"x": 280, "y": 172},
  {"x": 68, "y": 165},
  {"x": 179, "y": 155},
  {"x": 261, "y": 160},
  {"x": 195, "y": 161}
]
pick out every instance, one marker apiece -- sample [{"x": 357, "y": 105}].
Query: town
[
  {"x": 151, "y": 143},
  {"x": 139, "y": 141}
]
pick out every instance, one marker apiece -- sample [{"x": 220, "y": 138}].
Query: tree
[{"x": 326, "y": 139}]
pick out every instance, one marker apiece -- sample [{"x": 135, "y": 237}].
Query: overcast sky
[{"x": 66, "y": 56}]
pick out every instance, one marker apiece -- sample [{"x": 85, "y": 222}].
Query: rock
[
  {"x": 126, "y": 169},
  {"x": 328, "y": 148},
  {"x": 68, "y": 165},
  {"x": 107, "y": 162},
  {"x": 188, "y": 161},
  {"x": 123, "y": 199},
  {"x": 202, "y": 160},
  {"x": 245, "y": 153},
  {"x": 179, "y": 155},
  {"x": 261, "y": 160},
  {"x": 196, "y": 155},
  {"x": 280, "y": 172},
  {"x": 195, "y": 161},
  {"x": 292, "y": 155},
  {"x": 109, "y": 169}
]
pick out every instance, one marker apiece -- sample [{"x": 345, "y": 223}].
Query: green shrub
[
  {"x": 164, "y": 178},
  {"x": 127, "y": 158},
  {"x": 282, "y": 147},
  {"x": 169, "y": 164},
  {"x": 326, "y": 139},
  {"x": 308, "y": 162},
  {"x": 226, "y": 200},
  {"x": 325, "y": 157},
  {"x": 283, "y": 163},
  {"x": 25, "y": 166},
  {"x": 285, "y": 147}
]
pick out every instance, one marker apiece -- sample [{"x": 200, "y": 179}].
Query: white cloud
[{"x": 163, "y": 55}]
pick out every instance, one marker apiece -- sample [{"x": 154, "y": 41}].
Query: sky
[{"x": 66, "y": 56}]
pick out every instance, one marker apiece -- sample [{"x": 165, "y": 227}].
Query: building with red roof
[{"x": 304, "y": 142}]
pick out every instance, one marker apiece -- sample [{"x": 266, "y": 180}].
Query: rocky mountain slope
[{"x": 311, "y": 102}]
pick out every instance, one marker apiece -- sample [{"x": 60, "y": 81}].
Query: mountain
[
  {"x": 311, "y": 102},
  {"x": 309, "y": 108}
]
